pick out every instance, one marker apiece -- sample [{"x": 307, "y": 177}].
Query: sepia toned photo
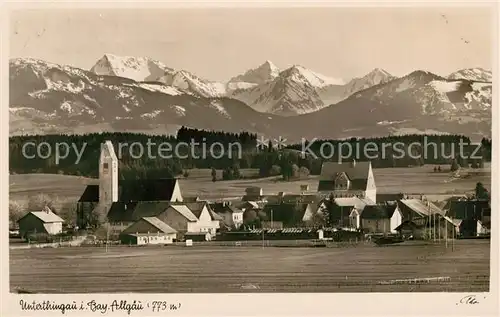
[{"x": 250, "y": 150}]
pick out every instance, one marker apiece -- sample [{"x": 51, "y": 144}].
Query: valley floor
[
  {"x": 388, "y": 180},
  {"x": 170, "y": 269}
]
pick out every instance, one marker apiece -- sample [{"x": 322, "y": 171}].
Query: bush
[
  {"x": 275, "y": 170},
  {"x": 68, "y": 212},
  {"x": 40, "y": 201},
  {"x": 16, "y": 211},
  {"x": 186, "y": 174},
  {"x": 303, "y": 171}
]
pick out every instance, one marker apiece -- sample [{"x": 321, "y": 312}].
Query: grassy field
[
  {"x": 252, "y": 269},
  {"x": 388, "y": 180}
]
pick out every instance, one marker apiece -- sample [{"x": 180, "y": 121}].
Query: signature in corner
[{"x": 469, "y": 300}]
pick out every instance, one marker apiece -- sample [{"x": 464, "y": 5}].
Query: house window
[{"x": 105, "y": 168}]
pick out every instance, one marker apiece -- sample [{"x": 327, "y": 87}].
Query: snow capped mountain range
[
  {"x": 242, "y": 87},
  {"x": 136, "y": 68},
  {"x": 473, "y": 74},
  {"x": 332, "y": 94},
  {"x": 143, "y": 94},
  {"x": 264, "y": 73},
  {"x": 289, "y": 92}
]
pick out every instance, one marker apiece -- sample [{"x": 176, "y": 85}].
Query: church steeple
[{"x": 108, "y": 175}]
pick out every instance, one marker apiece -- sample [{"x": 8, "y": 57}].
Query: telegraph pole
[
  {"x": 262, "y": 238},
  {"x": 446, "y": 233},
  {"x": 439, "y": 229}
]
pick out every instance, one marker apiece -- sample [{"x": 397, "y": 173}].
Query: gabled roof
[
  {"x": 90, "y": 194},
  {"x": 146, "y": 189},
  {"x": 378, "y": 211},
  {"x": 184, "y": 211},
  {"x": 221, "y": 208},
  {"x": 196, "y": 208},
  {"x": 133, "y": 211},
  {"x": 160, "y": 225},
  {"x": 356, "y": 202},
  {"x": 357, "y": 174},
  {"x": 420, "y": 207},
  {"x": 108, "y": 149},
  {"x": 409, "y": 224},
  {"x": 45, "y": 217},
  {"x": 330, "y": 170},
  {"x": 214, "y": 216},
  {"x": 160, "y": 189}
]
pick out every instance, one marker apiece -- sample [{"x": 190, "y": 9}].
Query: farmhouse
[
  {"x": 467, "y": 228},
  {"x": 351, "y": 179},
  {"x": 382, "y": 218},
  {"x": 230, "y": 215},
  {"x": 418, "y": 210},
  {"x": 148, "y": 230},
  {"x": 345, "y": 212},
  {"x": 44, "y": 221},
  {"x": 207, "y": 219},
  {"x": 424, "y": 220},
  {"x": 469, "y": 209}
]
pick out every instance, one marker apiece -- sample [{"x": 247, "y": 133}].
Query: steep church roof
[
  {"x": 357, "y": 172},
  {"x": 136, "y": 190}
]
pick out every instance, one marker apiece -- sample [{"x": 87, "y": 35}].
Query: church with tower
[{"x": 111, "y": 194}]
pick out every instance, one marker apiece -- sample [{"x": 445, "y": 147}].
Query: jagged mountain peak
[
  {"x": 132, "y": 67},
  {"x": 270, "y": 65},
  {"x": 314, "y": 79},
  {"x": 472, "y": 74},
  {"x": 421, "y": 72},
  {"x": 379, "y": 71},
  {"x": 265, "y": 72}
]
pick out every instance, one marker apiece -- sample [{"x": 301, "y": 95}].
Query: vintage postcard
[{"x": 230, "y": 159}]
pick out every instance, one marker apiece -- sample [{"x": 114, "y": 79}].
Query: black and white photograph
[{"x": 259, "y": 149}]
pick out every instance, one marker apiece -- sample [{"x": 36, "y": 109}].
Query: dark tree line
[
  {"x": 155, "y": 163},
  {"x": 245, "y": 139}
]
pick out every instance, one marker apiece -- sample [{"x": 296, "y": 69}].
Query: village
[{"x": 344, "y": 207}]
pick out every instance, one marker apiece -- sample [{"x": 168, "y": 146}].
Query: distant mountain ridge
[
  {"x": 51, "y": 98},
  {"x": 473, "y": 74}
]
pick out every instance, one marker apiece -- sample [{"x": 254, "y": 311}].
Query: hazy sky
[{"x": 220, "y": 43}]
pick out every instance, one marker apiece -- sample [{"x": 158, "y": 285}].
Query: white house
[
  {"x": 185, "y": 219},
  {"x": 40, "y": 222},
  {"x": 349, "y": 210},
  {"x": 148, "y": 230},
  {"x": 231, "y": 216},
  {"x": 381, "y": 218},
  {"x": 351, "y": 179}
]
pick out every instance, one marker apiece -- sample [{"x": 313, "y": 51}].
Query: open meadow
[
  {"x": 198, "y": 183},
  {"x": 202, "y": 269}
]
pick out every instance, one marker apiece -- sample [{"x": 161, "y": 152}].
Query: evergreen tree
[{"x": 481, "y": 192}]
